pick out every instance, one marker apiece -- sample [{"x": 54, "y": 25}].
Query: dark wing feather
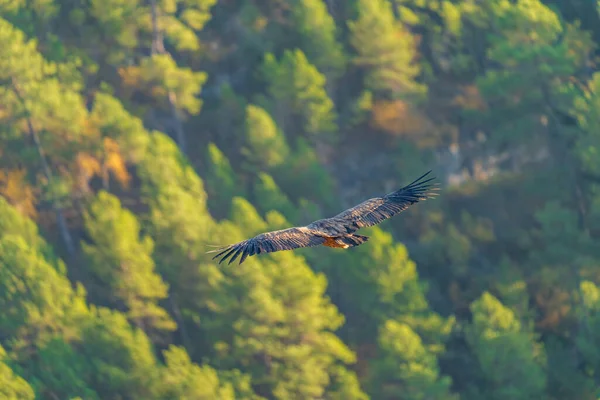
[
  {"x": 285, "y": 239},
  {"x": 378, "y": 209}
]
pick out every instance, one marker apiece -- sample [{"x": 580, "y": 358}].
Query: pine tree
[
  {"x": 510, "y": 359},
  {"x": 304, "y": 177},
  {"x": 269, "y": 317},
  {"x": 589, "y": 319},
  {"x": 161, "y": 77},
  {"x": 124, "y": 362},
  {"x": 14, "y": 223},
  {"x": 115, "y": 122},
  {"x": 180, "y": 226},
  {"x": 47, "y": 116},
  {"x": 244, "y": 216},
  {"x": 389, "y": 61},
  {"x": 319, "y": 37},
  {"x": 59, "y": 370},
  {"x": 405, "y": 368},
  {"x": 183, "y": 379},
  {"x": 38, "y": 301},
  {"x": 529, "y": 87},
  {"x": 129, "y": 24},
  {"x": 128, "y": 27},
  {"x": 269, "y": 197},
  {"x": 121, "y": 261},
  {"x": 298, "y": 95},
  {"x": 12, "y": 386},
  {"x": 377, "y": 283},
  {"x": 222, "y": 183},
  {"x": 266, "y": 147}
]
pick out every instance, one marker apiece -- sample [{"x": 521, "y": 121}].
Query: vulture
[{"x": 338, "y": 231}]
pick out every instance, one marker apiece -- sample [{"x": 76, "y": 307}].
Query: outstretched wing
[
  {"x": 285, "y": 239},
  {"x": 378, "y": 209}
]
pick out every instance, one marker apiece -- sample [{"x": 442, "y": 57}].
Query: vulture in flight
[{"x": 337, "y": 231}]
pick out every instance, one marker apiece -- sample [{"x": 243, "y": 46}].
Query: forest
[{"x": 137, "y": 134}]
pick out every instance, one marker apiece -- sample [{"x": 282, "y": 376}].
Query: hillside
[{"x": 136, "y": 134}]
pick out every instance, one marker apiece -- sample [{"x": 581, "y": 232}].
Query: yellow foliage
[
  {"x": 87, "y": 167},
  {"x": 111, "y": 161},
  {"x": 398, "y": 118},
  {"x": 90, "y": 129},
  {"x": 130, "y": 76},
  {"x": 17, "y": 191},
  {"x": 131, "y": 79},
  {"x": 114, "y": 161},
  {"x": 260, "y": 23},
  {"x": 134, "y": 80}
]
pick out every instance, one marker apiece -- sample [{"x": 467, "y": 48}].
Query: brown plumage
[{"x": 337, "y": 231}]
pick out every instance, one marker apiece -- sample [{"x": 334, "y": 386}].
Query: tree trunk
[
  {"x": 158, "y": 47},
  {"x": 60, "y": 218}
]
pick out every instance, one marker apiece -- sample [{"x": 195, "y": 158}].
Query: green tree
[
  {"x": 266, "y": 147},
  {"x": 14, "y": 223},
  {"x": 344, "y": 385},
  {"x": 405, "y": 368},
  {"x": 572, "y": 376},
  {"x": 42, "y": 310},
  {"x": 127, "y": 27},
  {"x": 534, "y": 55},
  {"x": 588, "y": 316},
  {"x": 269, "y": 317},
  {"x": 38, "y": 302},
  {"x": 298, "y": 96},
  {"x": 46, "y": 113},
  {"x": 389, "y": 61},
  {"x": 59, "y": 370},
  {"x": 319, "y": 37},
  {"x": 12, "y": 386},
  {"x": 245, "y": 217},
  {"x": 160, "y": 76},
  {"x": 586, "y": 148},
  {"x": 379, "y": 282},
  {"x": 222, "y": 184},
  {"x": 124, "y": 364},
  {"x": 510, "y": 359},
  {"x": 183, "y": 379},
  {"x": 177, "y": 218},
  {"x": 304, "y": 177},
  {"x": 441, "y": 28},
  {"x": 114, "y": 121},
  {"x": 150, "y": 23},
  {"x": 121, "y": 261},
  {"x": 270, "y": 197},
  {"x": 179, "y": 223}
]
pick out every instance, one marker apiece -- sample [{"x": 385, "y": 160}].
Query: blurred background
[{"x": 135, "y": 134}]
